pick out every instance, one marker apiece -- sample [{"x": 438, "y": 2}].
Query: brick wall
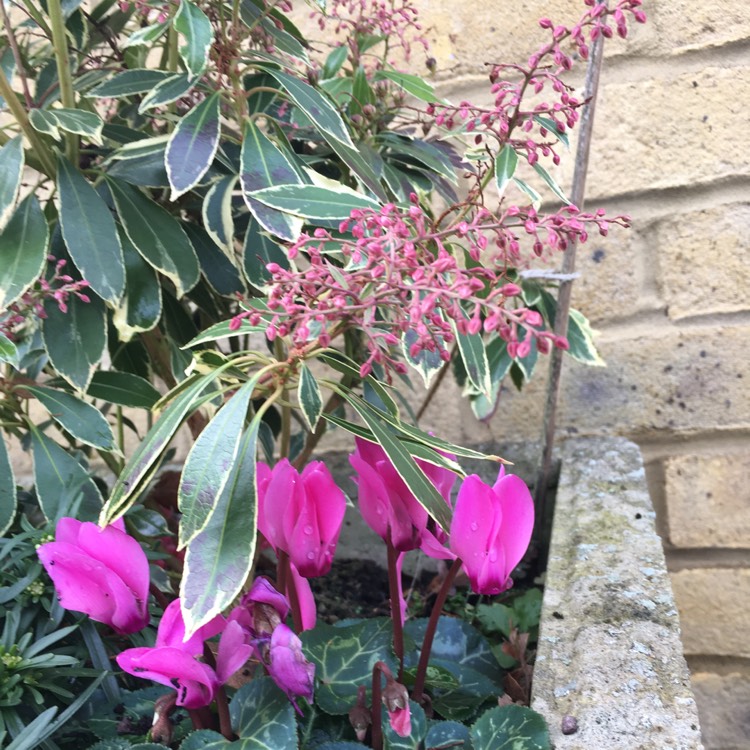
[{"x": 670, "y": 298}]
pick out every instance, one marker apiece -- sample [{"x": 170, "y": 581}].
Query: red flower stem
[
  {"x": 201, "y": 718},
  {"x": 282, "y": 569},
  {"x": 398, "y": 625},
  {"x": 377, "y": 701},
  {"x": 429, "y": 636},
  {"x": 222, "y": 705},
  {"x": 159, "y": 596},
  {"x": 291, "y": 590}
]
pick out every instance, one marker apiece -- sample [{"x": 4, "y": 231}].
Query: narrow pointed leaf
[
  {"x": 145, "y": 35},
  {"x": 193, "y": 24},
  {"x": 62, "y": 485},
  {"x": 265, "y": 165},
  {"x": 219, "y": 559},
  {"x": 129, "y": 82},
  {"x": 414, "y": 85},
  {"x": 140, "y": 306},
  {"x": 157, "y": 236},
  {"x": 23, "y": 250},
  {"x": 536, "y": 199},
  {"x": 581, "y": 340},
  {"x": 193, "y": 144},
  {"x": 505, "y": 168},
  {"x": 314, "y": 202},
  {"x": 221, "y": 331},
  {"x": 547, "y": 177},
  {"x": 220, "y": 271},
  {"x": 209, "y": 463},
  {"x": 258, "y": 251},
  {"x": 152, "y": 447},
  {"x": 77, "y": 121},
  {"x": 217, "y": 212},
  {"x": 90, "y": 234},
  {"x": 11, "y": 169},
  {"x": 79, "y": 418},
  {"x": 124, "y": 389},
  {"x": 167, "y": 91},
  {"x": 75, "y": 339},
  {"x": 551, "y": 126},
  {"x": 308, "y": 394},
  {"x": 8, "y": 350},
  {"x": 474, "y": 356},
  {"x": 7, "y": 490}
]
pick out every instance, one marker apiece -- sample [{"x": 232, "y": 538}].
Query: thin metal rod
[{"x": 566, "y": 287}]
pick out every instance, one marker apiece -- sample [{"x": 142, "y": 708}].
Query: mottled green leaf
[
  {"x": 263, "y": 717},
  {"x": 7, "y": 490},
  {"x": 209, "y": 463},
  {"x": 505, "y": 167},
  {"x": 79, "y": 418},
  {"x": 11, "y": 169},
  {"x": 510, "y": 728},
  {"x": 344, "y": 658},
  {"x": 23, "y": 250},
  {"x": 123, "y": 388},
  {"x": 193, "y": 24},
  {"x": 308, "y": 394},
  {"x": 75, "y": 339},
  {"x": 157, "y": 235},
  {"x": 315, "y": 202},
  {"x": 89, "y": 232},
  {"x": 219, "y": 558},
  {"x": 204, "y": 739},
  {"x": 193, "y": 144},
  {"x": 264, "y": 165},
  {"x": 63, "y": 486},
  {"x": 167, "y": 91},
  {"x": 448, "y": 734}
]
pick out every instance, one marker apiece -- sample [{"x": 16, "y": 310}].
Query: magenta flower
[
  {"x": 171, "y": 631},
  {"x": 100, "y": 572},
  {"x": 386, "y": 503},
  {"x": 288, "y": 666},
  {"x": 491, "y": 530},
  {"x": 301, "y": 514}
]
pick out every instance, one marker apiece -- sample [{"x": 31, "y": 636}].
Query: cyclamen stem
[
  {"x": 429, "y": 636},
  {"x": 222, "y": 705},
  {"x": 377, "y": 702},
  {"x": 396, "y": 617},
  {"x": 290, "y": 587}
]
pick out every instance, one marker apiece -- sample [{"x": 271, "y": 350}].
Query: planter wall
[{"x": 609, "y": 651}]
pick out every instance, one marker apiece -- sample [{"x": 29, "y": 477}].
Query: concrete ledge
[{"x": 609, "y": 650}]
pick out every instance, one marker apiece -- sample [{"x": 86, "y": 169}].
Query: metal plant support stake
[{"x": 566, "y": 285}]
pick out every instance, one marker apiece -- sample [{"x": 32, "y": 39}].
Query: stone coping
[{"x": 609, "y": 651}]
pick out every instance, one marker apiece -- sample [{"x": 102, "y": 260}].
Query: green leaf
[
  {"x": 308, "y": 394},
  {"x": 123, "y": 388},
  {"x": 484, "y": 406},
  {"x": 328, "y": 122},
  {"x": 220, "y": 272},
  {"x": 23, "y": 250},
  {"x": 75, "y": 339},
  {"x": 167, "y": 91},
  {"x": 146, "y": 35},
  {"x": 474, "y": 356},
  {"x": 258, "y": 251},
  {"x": 7, "y": 490},
  {"x": 140, "y": 307},
  {"x": 505, "y": 167},
  {"x": 448, "y": 734},
  {"x": 11, "y": 169},
  {"x": 219, "y": 558},
  {"x": 416, "y": 480},
  {"x": 414, "y": 85},
  {"x": 314, "y": 202},
  {"x": 510, "y": 728},
  {"x": 33, "y": 731},
  {"x": 8, "y": 351},
  {"x": 221, "y": 331},
  {"x": 426, "y": 363},
  {"x": 551, "y": 126},
  {"x": 217, "y": 213},
  {"x": 581, "y": 340},
  {"x": 63, "y": 486},
  {"x": 547, "y": 177},
  {"x": 193, "y": 24},
  {"x": 151, "y": 448},
  {"x": 394, "y": 741},
  {"x": 336, "y": 58},
  {"x": 203, "y": 739},
  {"x": 156, "y": 235},
  {"x": 265, "y": 165},
  {"x": 536, "y": 199},
  {"x": 90, "y": 234},
  {"x": 425, "y": 153},
  {"x": 129, "y": 82},
  {"x": 79, "y": 418},
  {"x": 263, "y": 717},
  {"x": 209, "y": 463},
  {"x": 193, "y": 144},
  {"x": 344, "y": 657},
  {"x": 51, "y": 121}
]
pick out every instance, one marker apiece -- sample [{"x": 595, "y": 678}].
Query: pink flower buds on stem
[{"x": 395, "y": 697}]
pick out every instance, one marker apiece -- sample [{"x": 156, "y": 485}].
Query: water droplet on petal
[
  {"x": 308, "y": 529},
  {"x": 310, "y": 555},
  {"x": 474, "y": 526},
  {"x": 493, "y": 556}
]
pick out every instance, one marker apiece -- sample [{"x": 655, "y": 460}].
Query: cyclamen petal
[
  {"x": 400, "y": 720},
  {"x": 288, "y": 666},
  {"x": 171, "y": 631}
]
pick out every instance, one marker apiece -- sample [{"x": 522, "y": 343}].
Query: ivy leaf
[
  {"x": 510, "y": 728},
  {"x": 23, "y": 250},
  {"x": 193, "y": 24},
  {"x": 11, "y": 169},
  {"x": 193, "y": 144},
  {"x": 263, "y": 716}
]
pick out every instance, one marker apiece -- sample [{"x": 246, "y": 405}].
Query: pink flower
[
  {"x": 171, "y": 631},
  {"x": 100, "y": 572},
  {"x": 386, "y": 503},
  {"x": 288, "y": 666},
  {"x": 491, "y": 529},
  {"x": 301, "y": 514},
  {"x": 396, "y": 701}
]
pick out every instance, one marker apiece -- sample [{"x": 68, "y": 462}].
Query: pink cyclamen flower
[
  {"x": 100, "y": 572},
  {"x": 288, "y": 666},
  {"x": 301, "y": 514},
  {"x": 386, "y": 503},
  {"x": 396, "y": 701},
  {"x": 491, "y": 529}
]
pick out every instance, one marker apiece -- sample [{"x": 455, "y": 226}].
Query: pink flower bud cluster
[
  {"x": 396, "y": 273},
  {"x": 31, "y": 303},
  {"x": 542, "y": 71}
]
